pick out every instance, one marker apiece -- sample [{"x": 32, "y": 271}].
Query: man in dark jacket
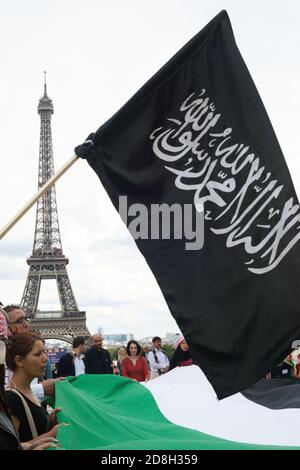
[
  {"x": 97, "y": 359},
  {"x": 72, "y": 362}
]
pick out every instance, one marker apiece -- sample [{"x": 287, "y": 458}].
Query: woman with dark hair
[
  {"x": 182, "y": 355},
  {"x": 26, "y": 357},
  {"x": 135, "y": 366},
  {"x": 9, "y": 439}
]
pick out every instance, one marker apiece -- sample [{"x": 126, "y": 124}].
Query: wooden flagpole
[{"x": 51, "y": 181}]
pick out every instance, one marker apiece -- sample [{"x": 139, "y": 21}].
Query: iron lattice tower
[{"x": 47, "y": 260}]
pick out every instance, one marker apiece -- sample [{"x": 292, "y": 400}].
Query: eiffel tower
[{"x": 47, "y": 260}]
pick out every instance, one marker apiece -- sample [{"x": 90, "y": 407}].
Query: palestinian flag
[{"x": 178, "y": 410}]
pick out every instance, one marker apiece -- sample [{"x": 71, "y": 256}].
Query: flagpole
[{"x": 51, "y": 181}]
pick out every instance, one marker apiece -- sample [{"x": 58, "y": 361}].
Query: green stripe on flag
[{"x": 116, "y": 413}]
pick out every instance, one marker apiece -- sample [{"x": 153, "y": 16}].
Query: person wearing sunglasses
[
  {"x": 17, "y": 319},
  {"x": 18, "y": 323},
  {"x": 9, "y": 439}
]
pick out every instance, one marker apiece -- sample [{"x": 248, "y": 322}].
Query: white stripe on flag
[{"x": 185, "y": 397}]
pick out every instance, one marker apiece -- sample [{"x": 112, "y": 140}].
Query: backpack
[{"x": 156, "y": 359}]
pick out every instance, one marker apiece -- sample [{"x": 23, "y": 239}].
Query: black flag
[{"x": 196, "y": 136}]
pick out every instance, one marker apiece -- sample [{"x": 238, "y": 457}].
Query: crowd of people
[
  {"x": 24, "y": 421},
  {"x": 25, "y": 376}
]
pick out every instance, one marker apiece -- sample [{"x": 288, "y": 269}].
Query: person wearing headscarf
[
  {"x": 182, "y": 355},
  {"x": 9, "y": 439}
]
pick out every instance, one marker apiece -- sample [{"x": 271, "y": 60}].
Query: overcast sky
[{"x": 97, "y": 54}]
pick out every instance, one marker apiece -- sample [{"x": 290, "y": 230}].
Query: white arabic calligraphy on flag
[{"x": 231, "y": 162}]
